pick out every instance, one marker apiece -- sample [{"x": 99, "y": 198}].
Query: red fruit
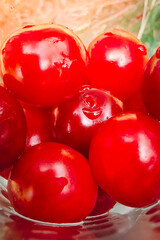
[
  {"x": 12, "y": 129},
  {"x": 76, "y": 120},
  {"x": 151, "y": 85},
  {"x": 44, "y": 64},
  {"x": 125, "y": 159},
  {"x": 58, "y": 185},
  {"x": 38, "y": 129},
  {"x": 116, "y": 63},
  {"x": 38, "y": 125}
]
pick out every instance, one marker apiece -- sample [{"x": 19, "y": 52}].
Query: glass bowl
[
  {"x": 87, "y": 19},
  {"x": 120, "y": 222}
]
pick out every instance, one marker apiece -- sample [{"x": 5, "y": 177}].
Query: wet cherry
[
  {"x": 116, "y": 63},
  {"x": 76, "y": 120},
  {"x": 44, "y": 64},
  {"x": 38, "y": 125},
  {"x": 125, "y": 159},
  {"x": 151, "y": 85},
  {"x": 54, "y": 188},
  {"x": 12, "y": 129}
]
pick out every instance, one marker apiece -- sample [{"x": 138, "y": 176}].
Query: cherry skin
[
  {"x": 12, "y": 129},
  {"x": 38, "y": 125},
  {"x": 135, "y": 103},
  {"x": 104, "y": 203},
  {"x": 43, "y": 64},
  {"x": 76, "y": 120},
  {"x": 125, "y": 159},
  {"x": 54, "y": 188},
  {"x": 151, "y": 85},
  {"x": 116, "y": 63},
  {"x": 38, "y": 129}
]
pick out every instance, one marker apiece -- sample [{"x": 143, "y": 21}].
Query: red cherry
[
  {"x": 12, "y": 129},
  {"x": 76, "y": 120},
  {"x": 38, "y": 129},
  {"x": 151, "y": 85},
  {"x": 125, "y": 159},
  {"x": 116, "y": 63},
  {"x": 38, "y": 125},
  {"x": 52, "y": 182},
  {"x": 44, "y": 64}
]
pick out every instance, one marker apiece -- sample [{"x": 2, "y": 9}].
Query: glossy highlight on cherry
[
  {"x": 40, "y": 64},
  {"x": 125, "y": 159},
  {"x": 53, "y": 189},
  {"x": 75, "y": 121},
  {"x": 116, "y": 63}
]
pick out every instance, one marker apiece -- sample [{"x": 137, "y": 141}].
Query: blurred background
[{"x": 87, "y": 18}]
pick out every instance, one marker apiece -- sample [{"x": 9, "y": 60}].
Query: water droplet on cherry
[
  {"x": 91, "y": 107},
  {"x": 158, "y": 53},
  {"x": 92, "y": 113},
  {"x": 142, "y": 49},
  {"x": 90, "y": 101},
  {"x": 84, "y": 88}
]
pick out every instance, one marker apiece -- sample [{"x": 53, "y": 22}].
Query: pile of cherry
[{"x": 79, "y": 128}]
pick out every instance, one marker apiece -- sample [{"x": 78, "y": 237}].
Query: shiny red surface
[
  {"x": 12, "y": 129},
  {"x": 116, "y": 63},
  {"x": 125, "y": 159},
  {"x": 58, "y": 185},
  {"x": 151, "y": 85},
  {"x": 38, "y": 125},
  {"x": 76, "y": 120},
  {"x": 44, "y": 64}
]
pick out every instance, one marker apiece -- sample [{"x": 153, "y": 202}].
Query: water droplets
[
  {"x": 84, "y": 88},
  {"x": 91, "y": 108}
]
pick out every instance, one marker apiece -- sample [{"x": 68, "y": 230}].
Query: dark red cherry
[
  {"x": 76, "y": 120},
  {"x": 12, "y": 129},
  {"x": 151, "y": 86},
  {"x": 38, "y": 125}
]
